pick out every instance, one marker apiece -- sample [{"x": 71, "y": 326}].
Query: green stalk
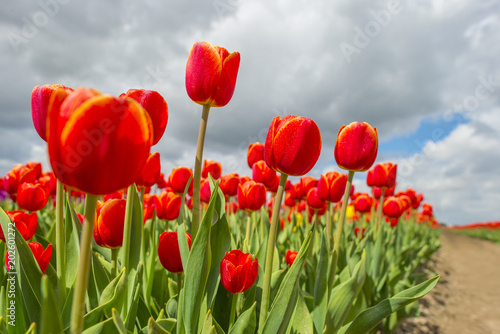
[
  {"x": 197, "y": 171},
  {"x": 114, "y": 261},
  {"x": 126, "y": 239},
  {"x": 82, "y": 277},
  {"x": 379, "y": 212},
  {"x": 271, "y": 243},
  {"x": 338, "y": 235},
  {"x": 232, "y": 314},
  {"x": 329, "y": 225},
  {"x": 127, "y": 227},
  {"x": 60, "y": 242},
  {"x": 246, "y": 243}
]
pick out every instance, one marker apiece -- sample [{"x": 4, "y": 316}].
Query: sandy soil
[{"x": 467, "y": 297}]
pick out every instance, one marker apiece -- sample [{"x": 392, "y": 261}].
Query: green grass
[{"x": 481, "y": 233}]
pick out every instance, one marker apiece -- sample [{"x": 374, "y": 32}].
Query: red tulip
[
  {"x": 36, "y": 166},
  {"x": 113, "y": 195},
  {"x": 377, "y": 192},
  {"x": 363, "y": 203},
  {"x": 179, "y": 178},
  {"x": 263, "y": 174},
  {"x": 290, "y": 257},
  {"x": 171, "y": 205},
  {"x": 356, "y": 146},
  {"x": 289, "y": 201},
  {"x": 358, "y": 230},
  {"x": 98, "y": 143},
  {"x": 40, "y": 100},
  {"x": 255, "y": 153},
  {"x": 213, "y": 168},
  {"x": 32, "y": 197},
  {"x": 293, "y": 145},
  {"x": 155, "y": 105},
  {"x": 320, "y": 211},
  {"x": 238, "y": 271},
  {"x": 150, "y": 172},
  {"x": 307, "y": 183},
  {"x": 168, "y": 251},
  {"x": 211, "y": 73},
  {"x": 49, "y": 182},
  {"x": 109, "y": 223},
  {"x": 41, "y": 255},
  {"x": 25, "y": 223},
  {"x": 251, "y": 196},
  {"x": 296, "y": 191},
  {"x": 405, "y": 200},
  {"x": 276, "y": 184},
  {"x": 382, "y": 175},
  {"x": 313, "y": 199},
  {"x": 161, "y": 182},
  {"x": 205, "y": 191},
  {"x": 331, "y": 186},
  {"x": 18, "y": 175},
  {"x": 229, "y": 184},
  {"x": 244, "y": 179},
  {"x": 393, "y": 208},
  {"x": 152, "y": 203}
]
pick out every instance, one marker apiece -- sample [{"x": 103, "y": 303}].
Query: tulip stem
[
  {"x": 329, "y": 225},
  {"x": 82, "y": 277},
  {"x": 114, "y": 260},
  {"x": 127, "y": 227},
  {"x": 197, "y": 171},
  {"x": 338, "y": 234},
  {"x": 232, "y": 314},
  {"x": 179, "y": 285},
  {"x": 379, "y": 212},
  {"x": 271, "y": 243},
  {"x": 60, "y": 242},
  {"x": 246, "y": 243}
]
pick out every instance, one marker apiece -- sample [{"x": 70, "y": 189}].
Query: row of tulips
[{"x": 206, "y": 254}]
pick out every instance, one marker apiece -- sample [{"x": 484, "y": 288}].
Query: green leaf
[
  {"x": 155, "y": 328},
  {"x": 111, "y": 297},
  {"x": 103, "y": 327},
  {"x": 246, "y": 322},
  {"x": 372, "y": 316},
  {"x": 120, "y": 326},
  {"x": 72, "y": 229},
  {"x": 135, "y": 245},
  {"x": 320, "y": 296},
  {"x": 51, "y": 317},
  {"x": 196, "y": 271},
  {"x": 284, "y": 303},
  {"x": 207, "y": 324},
  {"x": 343, "y": 297},
  {"x": 181, "y": 229},
  {"x": 302, "y": 322}
]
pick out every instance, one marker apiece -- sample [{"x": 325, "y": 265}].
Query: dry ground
[{"x": 467, "y": 297}]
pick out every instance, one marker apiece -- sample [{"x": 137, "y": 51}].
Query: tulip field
[{"x": 92, "y": 248}]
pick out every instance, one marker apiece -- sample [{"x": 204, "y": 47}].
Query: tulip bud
[
  {"x": 263, "y": 174},
  {"x": 109, "y": 223},
  {"x": 211, "y": 73},
  {"x": 229, "y": 184},
  {"x": 150, "y": 172},
  {"x": 293, "y": 145},
  {"x": 331, "y": 186},
  {"x": 251, "y": 196},
  {"x": 238, "y": 271},
  {"x": 356, "y": 146},
  {"x": 179, "y": 178},
  {"x": 382, "y": 175},
  {"x": 290, "y": 257},
  {"x": 213, "y": 168},
  {"x": 363, "y": 203},
  {"x": 40, "y": 100},
  {"x": 393, "y": 208},
  {"x": 313, "y": 199},
  {"x": 25, "y": 223},
  {"x": 255, "y": 153},
  {"x": 168, "y": 251},
  {"x": 98, "y": 143},
  {"x": 171, "y": 205},
  {"x": 156, "y": 107},
  {"x": 41, "y": 255},
  {"x": 32, "y": 197}
]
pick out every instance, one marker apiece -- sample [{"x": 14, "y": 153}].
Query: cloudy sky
[{"x": 424, "y": 73}]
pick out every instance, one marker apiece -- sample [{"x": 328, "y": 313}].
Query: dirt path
[{"x": 467, "y": 297}]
